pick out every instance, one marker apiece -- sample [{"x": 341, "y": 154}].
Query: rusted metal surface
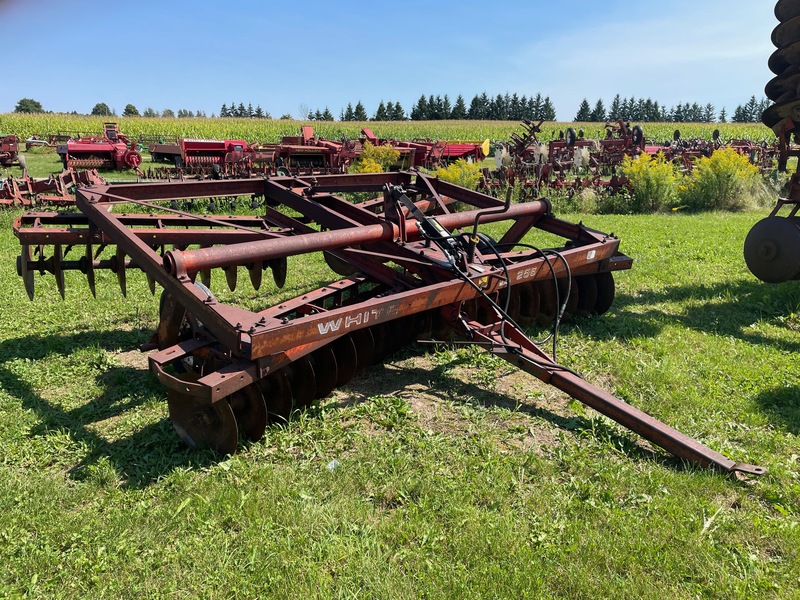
[
  {"x": 9, "y": 150},
  {"x": 55, "y": 190},
  {"x": 405, "y": 274},
  {"x": 772, "y": 247}
]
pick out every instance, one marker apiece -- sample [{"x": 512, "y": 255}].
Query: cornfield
[{"x": 269, "y": 131}]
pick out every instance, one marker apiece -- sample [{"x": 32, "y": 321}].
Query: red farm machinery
[
  {"x": 198, "y": 155},
  {"x": 111, "y": 151},
  {"x": 772, "y": 247},
  {"x": 411, "y": 262},
  {"x": 9, "y": 150}
]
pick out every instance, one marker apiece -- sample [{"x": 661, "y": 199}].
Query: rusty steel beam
[{"x": 190, "y": 261}]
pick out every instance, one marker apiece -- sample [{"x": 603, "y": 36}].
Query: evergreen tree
[
  {"x": 537, "y": 107},
  {"x": 241, "y": 111},
  {"x": 399, "y": 112},
  {"x": 548, "y": 110},
  {"x": 349, "y": 115},
  {"x": 250, "y": 112},
  {"x": 380, "y": 114},
  {"x": 459, "y": 109},
  {"x": 723, "y": 115},
  {"x": 360, "y": 113},
  {"x": 584, "y": 112},
  {"x": 327, "y": 115},
  {"x": 708, "y": 113},
  {"x": 474, "y": 111},
  {"x": 498, "y": 110},
  {"x": 514, "y": 112},
  {"x": 447, "y": 109},
  {"x": 598, "y": 112},
  {"x": 616, "y": 109},
  {"x": 259, "y": 113},
  {"x": 433, "y": 112},
  {"x": 223, "y": 112},
  {"x": 130, "y": 111},
  {"x": 390, "y": 111},
  {"x": 420, "y": 110}
]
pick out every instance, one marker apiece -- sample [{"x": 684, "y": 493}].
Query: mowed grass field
[{"x": 442, "y": 473}]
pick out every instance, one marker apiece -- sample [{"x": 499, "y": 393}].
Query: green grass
[{"x": 457, "y": 476}]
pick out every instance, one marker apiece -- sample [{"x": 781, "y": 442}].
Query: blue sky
[{"x": 290, "y": 55}]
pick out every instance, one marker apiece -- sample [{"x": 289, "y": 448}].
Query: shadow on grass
[
  {"x": 448, "y": 388},
  {"x": 725, "y": 309},
  {"x": 141, "y": 457},
  {"x": 783, "y": 403}
]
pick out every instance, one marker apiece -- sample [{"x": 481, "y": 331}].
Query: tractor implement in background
[{"x": 410, "y": 263}]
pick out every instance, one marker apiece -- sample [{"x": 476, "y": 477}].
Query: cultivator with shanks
[{"x": 413, "y": 262}]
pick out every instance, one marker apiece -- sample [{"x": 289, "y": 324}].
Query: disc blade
[
  {"x": 202, "y": 423},
  {"x": 250, "y": 411},
  {"x": 783, "y": 58},
  {"x": 605, "y": 292},
  {"x": 782, "y": 86},
  {"x": 772, "y": 250},
  {"x": 787, "y": 9},
  {"x": 231, "y": 274},
  {"x": 24, "y": 269},
  {"x": 512, "y": 296},
  {"x": 568, "y": 291},
  {"x": 786, "y": 33},
  {"x": 548, "y": 302},
  {"x": 302, "y": 380},
  {"x": 279, "y": 267},
  {"x": 256, "y": 274},
  {"x": 587, "y": 294},
  {"x": 278, "y": 396},
  {"x": 365, "y": 349},
  {"x": 339, "y": 266},
  {"x": 151, "y": 283},
  {"x": 323, "y": 361},
  {"x": 777, "y": 112},
  {"x": 380, "y": 334},
  {"x": 529, "y": 303},
  {"x": 346, "y": 359}
]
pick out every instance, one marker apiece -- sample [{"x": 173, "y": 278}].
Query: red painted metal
[
  {"x": 9, "y": 150},
  {"x": 111, "y": 151},
  {"x": 410, "y": 273}
]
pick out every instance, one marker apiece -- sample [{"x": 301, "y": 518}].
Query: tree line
[
  {"x": 647, "y": 110},
  {"x": 503, "y": 107}
]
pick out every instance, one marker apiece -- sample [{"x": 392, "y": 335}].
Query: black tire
[
  {"x": 571, "y": 137},
  {"x": 638, "y": 135}
]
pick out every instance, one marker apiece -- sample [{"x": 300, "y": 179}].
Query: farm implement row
[
  {"x": 572, "y": 162},
  {"x": 54, "y": 190},
  {"x": 413, "y": 262}
]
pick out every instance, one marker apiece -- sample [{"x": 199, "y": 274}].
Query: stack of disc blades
[{"x": 784, "y": 89}]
